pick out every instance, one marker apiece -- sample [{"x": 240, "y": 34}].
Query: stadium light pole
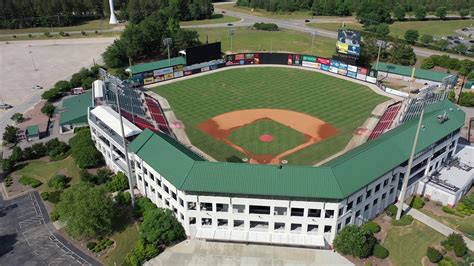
[
  {"x": 380, "y": 43},
  {"x": 408, "y": 172},
  {"x": 231, "y": 34},
  {"x": 168, "y": 42},
  {"x": 129, "y": 168}
]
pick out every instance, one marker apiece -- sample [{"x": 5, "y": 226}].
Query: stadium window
[
  {"x": 280, "y": 211},
  {"x": 175, "y": 210},
  {"x": 341, "y": 211},
  {"x": 377, "y": 188},
  {"x": 159, "y": 196},
  {"x": 314, "y": 213},
  {"x": 392, "y": 179},
  {"x": 359, "y": 199},
  {"x": 357, "y": 213},
  {"x": 140, "y": 177},
  {"x": 238, "y": 208},
  {"x": 153, "y": 190},
  {"x": 349, "y": 206},
  {"x": 146, "y": 184},
  {"x": 191, "y": 206},
  {"x": 385, "y": 182},
  {"x": 158, "y": 182},
  {"x": 205, "y": 206},
  {"x": 206, "y": 222},
  {"x": 239, "y": 224},
  {"x": 375, "y": 202},
  {"x": 296, "y": 228},
  {"x": 329, "y": 214},
  {"x": 338, "y": 227},
  {"x": 167, "y": 203},
  {"x": 366, "y": 208},
  {"x": 327, "y": 229},
  {"x": 256, "y": 209},
  {"x": 181, "y": 202},
  {"x": 297, "y": 212},
  {"x": 152, "y": 177},
  {"x": 279, "y": 227},
  {"x": 348, "y": 220},
  {"x": 173, "y": 195},
  {"x": 181, "y": 216},
  {"x": 384, "y": 195},
  {"x": 145, "y": 171},
  {"x": 192, "y": 220},
  {"x": 166, "y": 189},
  {"x": 138, "y": 165},
  {"x": 313, "y": 228},
  {"x": 222, "y": 223},
  {"x": 368, "y": 194},
  {"x": 391, "y": 190},
  {"x": 221, "y": 207}
]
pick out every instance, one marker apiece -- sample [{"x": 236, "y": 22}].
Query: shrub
[
  {"x": 265, "y": 26},
  {"x": 372, "y": 227},
  {"x": 48, "y": 109},
  {"x": 8, "y": 181},
  {"x": 119, "y": 182},
  {"x": 17, "y": 155},
  {"x": 433, "y": 255},
  {"x": 54, "y": 196},
  {"x": 103, "y": 176},
  {"x": 86, "y": 176},
  {"x": 417, "y": 202},
  {"x": 83, "y": 33},
  {"x": 140, "y": 253},
  {"x": 457, "y": 242},
  {"x": 123, "y": 198},
  {"x": 58, "y": 182},
  {"x": 392, "y": 210},
  {"x": 380, "y": 252},
  {"x": 25, "y": 180},
  {"x": 44, "y": 195},
  {"x": 30, "y": 35},
  {"x": 91, "y": 245},
  {"x": 404, "y": 220},
  {"x": 54, "y": 215},
  {"x": 54, "y": 148},
  {"x": 460, "y": 249},
  {"x": 446, "y": 209},
  {"x": 61, "y": 33},
  {"x": 354, "y": 240},
  {"x": 47, "y": 34},
  {"x": 447, "y": 261},
  {"x": 84, "y": 151},
  {"x": 8, "y": 165},
  {"x": 143, "y": 205}
]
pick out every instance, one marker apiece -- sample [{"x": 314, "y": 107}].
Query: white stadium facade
[{"x": 276, "y": 204}]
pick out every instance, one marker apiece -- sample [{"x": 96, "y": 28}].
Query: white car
[
  {"x": 37, "y": 87},
  {"x": 5, "y": 106}
]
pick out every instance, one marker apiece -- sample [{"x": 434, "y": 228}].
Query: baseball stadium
[{"x": 282, "y": 149}]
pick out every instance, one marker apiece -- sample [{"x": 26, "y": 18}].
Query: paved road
[
  {"x": 27, "y": 236},
  {"x": 443, "y": 229}
]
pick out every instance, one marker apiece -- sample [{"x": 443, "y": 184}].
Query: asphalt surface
[{"x": 27, "y": 236}]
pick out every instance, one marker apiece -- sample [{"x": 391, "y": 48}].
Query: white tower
[{"x": 113, "y": 18}]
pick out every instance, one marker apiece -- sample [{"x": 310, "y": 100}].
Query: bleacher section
[
  {"x": 385, "y": 121},
  {"x": 138, "y": 121},
  {"x": 157, "y": 114},
  {"x": 129, "y": 100},
  {"x": 415, "y": 105}
]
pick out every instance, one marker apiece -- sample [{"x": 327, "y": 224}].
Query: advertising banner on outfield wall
[
  {"x": 163, "y": 71},
  {"x": 352, "y": 68},
  {"x": 323, "y": 61},
  {"x": 362, "y": 73},
  {"x": 309, "y": 58},
  {"x": 352, "y": 74}
]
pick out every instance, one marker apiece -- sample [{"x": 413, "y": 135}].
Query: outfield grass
[
  {"x": 248, "y": 39},
  {"x": 263, "y": 13},
  {"x": 124, "y": 243},
  {"x": 407, "y": 244},
  {"x": 216, "y": 18},
  {"x": 87, "y": 25},
  {"x": 397, "y": 29},
  {"x": 43, "y": 171},
  {"x": 284, "y": 138},
  {"x": 344, "y": 104}
]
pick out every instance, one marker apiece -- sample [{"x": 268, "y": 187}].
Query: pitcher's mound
[{"x": 266, "y": 138}]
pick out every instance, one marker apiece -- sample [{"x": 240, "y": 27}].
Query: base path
[{"x": 442, "y": 228}]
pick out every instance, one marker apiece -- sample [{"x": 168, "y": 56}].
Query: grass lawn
[
  {"x": 216, "y": 18},
  {"x": 86, "y": 25},
  {"x": 248, "y": 39},
  {"x": 284, "y": 138},
  {"x": 263, "y": 13},
  {"x": 407, "y": 244},
  {"x": 124, "y": 242},
  {"x": 397, "y": 29},
  {"x": 344, "y": 104},
  {"x": 464, "y": 225},
  {"x": 43, "y": 171}
]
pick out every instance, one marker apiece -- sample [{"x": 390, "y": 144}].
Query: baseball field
[{"x": 270, "y": 114}]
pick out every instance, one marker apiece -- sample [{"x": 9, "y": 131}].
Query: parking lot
[{"x": 28, "y": 238}]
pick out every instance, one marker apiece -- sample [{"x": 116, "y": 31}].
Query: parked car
[
  {"x": 450, "y": 38},
  {"x": 471, "y": 41},
  {"x": 230, "y": 24},
  {"x": 456, "y": 41},
  {"x": 306, "y": 20},
  {"x": 465, "y": 29},
  {"x": 5, "y": 106},
  {"x": 223, "y": 11},
  {"x": 37, "y": 87}
]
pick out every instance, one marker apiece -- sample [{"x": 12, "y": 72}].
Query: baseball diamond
[{"x": 218, "y": 111}]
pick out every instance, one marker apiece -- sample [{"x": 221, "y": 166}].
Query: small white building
[{"x": 453, "y": 181}]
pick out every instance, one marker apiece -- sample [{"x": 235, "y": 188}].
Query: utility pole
[
  {"x": 380, "y": 43},
  {"x": 408, "y": 172},
  {"x": 129, "y": 168},
  {"x": 168, "y": 42},
  {"x": 231, "y": 34}
]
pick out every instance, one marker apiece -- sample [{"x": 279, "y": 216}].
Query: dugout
[{"x": 157, "y": 71}]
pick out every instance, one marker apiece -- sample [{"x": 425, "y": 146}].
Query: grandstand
[
  {"x": 414, "y": 106},
  {"x": 386, "y": 121},
  {"x": 157, "y": 114}
]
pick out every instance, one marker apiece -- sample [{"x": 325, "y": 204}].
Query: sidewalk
[{"x": 443, "y": 229}]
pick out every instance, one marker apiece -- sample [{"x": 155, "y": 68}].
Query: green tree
[
  {"x": 83, "y": 150},
  {"x": 427, "y": 63},
  {"x": 399, "y": 13},
  {"x": 63, "y": 86},
  {"x": 354, "y": 240},
  {"x": 373, "y": 12},
  {"x": 10, "y": 135},
  {"x": 115, "y": 55},
  {"x": 434, "y": 255},
  {"x": 463, "y": 12},
  {"x": 119, "y": 182},
  {"x": 86, "y": 210},
  {"x": 140, "y": 253},
  {"x": 17, "y": 154},
  {"x": 402, "y": 54},
  {"x": 8, "y": 165},
  {"x": 383, "y": 30},
  {"x": 316, "y": 8},
  {"x": 48, "y": 109},
  {"x": 420, "y": 12},
  {"x": 54, "y": 147},
  {"x": 441, "y": 12},
  {"x": 466, "y": 66},
  {"x": 52, "y": 95},
  {"x": 17, "y": 117},
  {"x": 442, "y": 44},
  {"x": 460, "y": 48},
  {"x": 411, "y": 36},
  {"x": 160, "y": 227},
  {"x": 380, "y": 252},
  {"x": 426, "y": 39},
  {"x": 457, "y": 242},
  {"x": 59, "y": 182}
]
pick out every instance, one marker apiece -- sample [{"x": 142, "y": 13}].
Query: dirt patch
[{"x": 315, "y": 130}]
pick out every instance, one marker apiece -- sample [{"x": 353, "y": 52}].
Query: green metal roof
[
  {"x": 32, "y": 130},
  {"x": 469, "y": 84},
  {"x": 145, "y": 67},
  {"x": 336, "y": 179},
  {"x": 408, "y": 70},
  {"x": 76, "y": 109}
]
